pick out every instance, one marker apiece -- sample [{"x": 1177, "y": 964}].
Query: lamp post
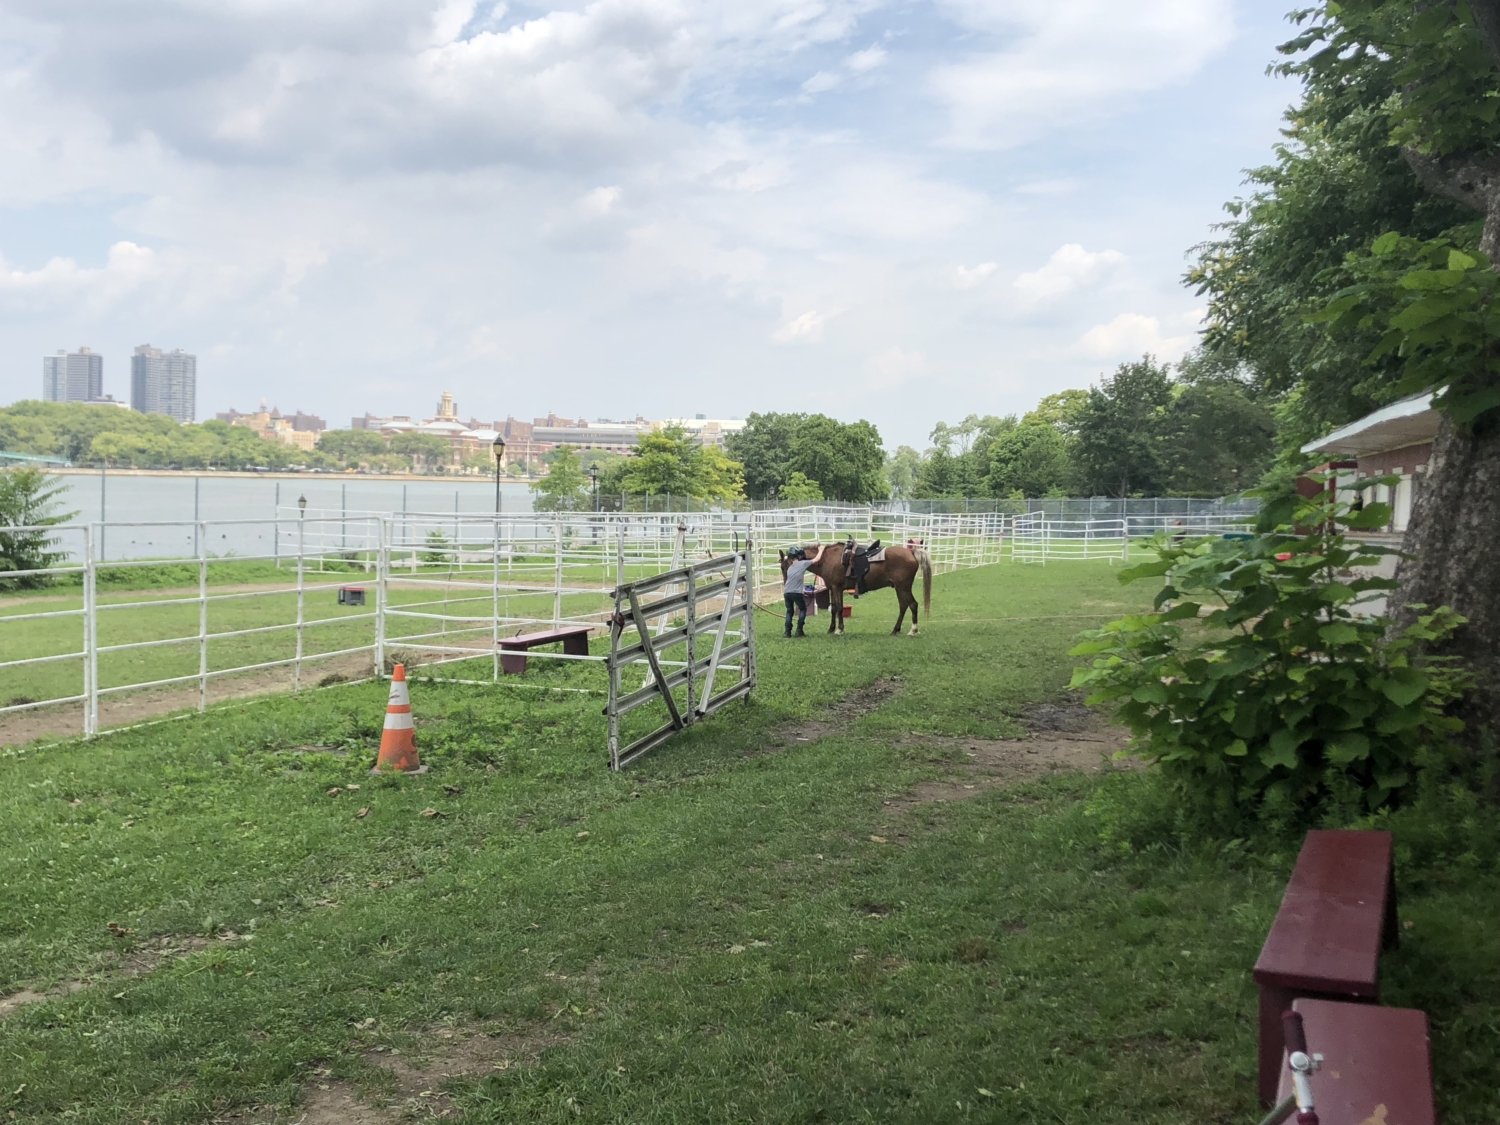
[
  {"x": 594, "y": 476},
  {"x": 499, "y": 454}
]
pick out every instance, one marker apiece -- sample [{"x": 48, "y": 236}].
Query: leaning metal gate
[{"x": 666, "y": 622}]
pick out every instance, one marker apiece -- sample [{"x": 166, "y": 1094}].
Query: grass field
[{"x": 738, "y": 930}]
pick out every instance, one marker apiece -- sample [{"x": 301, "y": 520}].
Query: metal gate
[{"x": 666, "y": 622}]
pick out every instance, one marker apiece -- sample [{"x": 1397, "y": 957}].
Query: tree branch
[{"x": 1467, "y": 179}]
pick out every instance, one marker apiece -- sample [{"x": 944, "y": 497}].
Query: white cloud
[
  {"x": 1129, "y": 336},
  {"x": 1070, "y": 267},
  {"x": 966, "y": 278},
  {"x": 866, "y": 60},
  {"x": 821, "y": 82},
  {"x": 63, "y": 280},
  {"x": 895, "y": 366},
  {"x": 1070, "y": 60},
  {"x": 804, "y": 329}
]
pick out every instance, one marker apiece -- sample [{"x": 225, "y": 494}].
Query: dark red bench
[
  {"x": 1377, "y": 1064},
  {"x": 1338, "y": 912},
  {"x": 574, "y": 639}
]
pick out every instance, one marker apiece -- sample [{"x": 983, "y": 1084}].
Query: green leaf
[
  {"x": 1458, "y": 260},
  {"x": 1145, "y": 570},
  {"x": 1150, "y": 693},
  {"x": 1236, "y": 749},
  {"x": 1350, "y": 747},
  {"x": 1339, "y": 633},
  {"x": 1404, "y": 686},
  {"x": 1386, "y": 243}
]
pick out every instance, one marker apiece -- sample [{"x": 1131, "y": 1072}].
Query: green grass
[{"x": 999, "y": 965}]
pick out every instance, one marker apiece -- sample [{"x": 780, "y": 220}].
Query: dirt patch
[
  {"x": 1069, "y": 716},
  {"x": 999, "y": 763},
  {"x": 404, "y": 1086},
  {"x": 66, "y": 720},
  {"x": 134, "y": 963},
  {"x": 837, "y": 718}
]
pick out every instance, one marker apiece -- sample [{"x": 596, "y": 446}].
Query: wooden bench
[
  {"x": 574, "y": 639},
  {"x": 1377, "y": 1064},
  {"x": 1338, "y": 912}
]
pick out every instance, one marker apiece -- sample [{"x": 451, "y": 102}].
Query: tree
[
  {"x": 718, "y": 477},
  {"x": 846, "y": 459},
  {"x": 1442, "y": 60},
  {"x": 28, "y": 498},
  {"x": 901, "y": 469},
  {"x": 1121, "y": 432},
  {"x": 764, "y": 448},
  {"x": 665, "y": 464},
  {"x": 1061, "y": 411},
  {"x": 1031, "y": 459},
  {"x": 799, "y": 490},
  {"x": 564, "y": 488},
  {"x": 426, "y": 451}
]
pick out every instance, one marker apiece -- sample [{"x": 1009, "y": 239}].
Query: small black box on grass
[{"x": 351, "y": 595}]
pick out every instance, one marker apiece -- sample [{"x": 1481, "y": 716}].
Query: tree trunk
[{"x": 1454, "y": 544}]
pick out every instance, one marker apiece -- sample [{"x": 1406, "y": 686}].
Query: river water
[{"x": 117, "y": 499}]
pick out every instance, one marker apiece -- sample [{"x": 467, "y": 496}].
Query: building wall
[
  {"x": 72, "y": 376},
  {"x": 164, "y": 382},
  {"x": 1410, "y": 464}
]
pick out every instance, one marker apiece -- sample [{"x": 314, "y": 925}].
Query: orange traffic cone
[{"x": 398, "y": 742}]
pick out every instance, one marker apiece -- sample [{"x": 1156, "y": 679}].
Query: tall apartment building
[
  {"x": 72, "y": 376},
  {"x": 164, "y": 382}
]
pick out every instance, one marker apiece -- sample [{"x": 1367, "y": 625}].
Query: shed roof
[{"x": 1411, "y": 421}]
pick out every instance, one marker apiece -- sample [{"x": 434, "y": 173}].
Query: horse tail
[{"x": 926, "y": 564}]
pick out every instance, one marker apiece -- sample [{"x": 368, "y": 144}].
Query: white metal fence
[{"x": 196, "y": 624}]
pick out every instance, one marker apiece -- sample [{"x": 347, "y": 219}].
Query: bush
[
  {"x": 29, "y": 499},
  {"x": 1257, "y": 686}
]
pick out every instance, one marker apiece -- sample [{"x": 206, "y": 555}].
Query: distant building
[
  {"x": 273, "y": 426},
  {"x": 164, "y": 382},
  {"x": 706, "y": 431},
  {"x": 73, "y": 376},
  {"x": 302, "y": 423}
]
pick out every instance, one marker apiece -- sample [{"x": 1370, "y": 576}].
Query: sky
[{"x": 900, "y": 211}]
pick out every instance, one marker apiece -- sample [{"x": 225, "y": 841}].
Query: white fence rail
[{"x": 438, "y": 588}]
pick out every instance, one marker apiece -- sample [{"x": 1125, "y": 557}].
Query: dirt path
[{"x": 65, "y": 721}]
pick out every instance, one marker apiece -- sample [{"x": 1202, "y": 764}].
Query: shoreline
[{"x": 240, "y": 474}]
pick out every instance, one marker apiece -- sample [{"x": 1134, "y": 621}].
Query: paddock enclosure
[{"x": 138, "y": 611}]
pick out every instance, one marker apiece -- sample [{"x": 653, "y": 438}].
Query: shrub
[
  {"x": 1257, "y": 685},
  {"x": 28, "y": 498}
]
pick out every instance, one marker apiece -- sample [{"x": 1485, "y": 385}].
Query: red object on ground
[
  {"x": 1377, "y": 1064},
  {"x": 848, "y": 610},
  {"x": 398, "y": 742},
  {"x": 1338, "y": 912},
  {"x": 575, "y": 642}
]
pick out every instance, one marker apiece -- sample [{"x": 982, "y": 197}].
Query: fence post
[
  {"x": 382, "y": 590},
  {"x": 620, "y": 549},
  {"x": 495, "y": 603},
  {"x": 692, "y": 616},
  {"x": 301, "y": 598},
  {"x": 200, "y": 532},
  {"x": 557, "y": 539},
  {"x": 90, "y": 640}
]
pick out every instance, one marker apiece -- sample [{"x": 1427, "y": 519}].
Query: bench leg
[
  {"x": 512, "y": 663},
  {"x": 576, "y": 646},
  {"x": 1273, "y": 1001}
]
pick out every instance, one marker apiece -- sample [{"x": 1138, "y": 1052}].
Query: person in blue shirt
[{"x": 796, "y": 604}]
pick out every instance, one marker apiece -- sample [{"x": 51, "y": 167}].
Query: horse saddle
[{"x": 857, "y": 562}]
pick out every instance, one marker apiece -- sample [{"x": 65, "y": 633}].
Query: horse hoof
[{"x": 913, "y": 632}]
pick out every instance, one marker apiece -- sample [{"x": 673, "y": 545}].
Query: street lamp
[
  {"x": 301, "y": 506},
  {"x": 499, "y": 454},
  {"x": 594, "y": 476}
]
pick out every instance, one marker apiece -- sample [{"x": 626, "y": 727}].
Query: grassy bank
[{"x": 741, "y": 929}]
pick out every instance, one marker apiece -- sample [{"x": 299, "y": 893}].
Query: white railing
[
  {"x": 1036, "y": 539},
  {"x": 435, "y": 588}
]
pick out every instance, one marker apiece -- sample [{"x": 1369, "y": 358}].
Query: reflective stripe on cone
[{"x": 398, "y": 741}]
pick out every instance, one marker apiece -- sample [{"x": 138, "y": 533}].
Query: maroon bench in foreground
[
  {"x": 1339, "y": 911},
  {"x": 574, "y": 639},
  {"x": 1377, "y": 1064}
]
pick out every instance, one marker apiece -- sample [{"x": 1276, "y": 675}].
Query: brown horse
[{"x": 898, "y": 570}]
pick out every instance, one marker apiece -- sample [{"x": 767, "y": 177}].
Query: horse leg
[
  {"x": 901, "y": 598},
  {"x": 835, "y": 609},
  {"x": 913, "y": 614}
]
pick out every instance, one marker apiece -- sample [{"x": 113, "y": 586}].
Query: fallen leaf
[
  {"x": 75, "y": 802},
  {"x": 452, "y": 790},
  {"x": 118, "y": 930},
  {"x": 429, "y": 813},
  {"x": 365, "y": 1024},
  {"x": 581, "y": 836},
  {"x": 128, "y": 824},
  {"x": 1408, "y": 924},
  {"x": 877, "y": 839},
  {"x": 362, "y": 814},
  {"x": 119, "y": 996},
  {"x": 736, "y": 949},
  {"x": 758, "y": 944},
  {"x": 983, "y": 1093},
  {"x": 352, "y": 788},
  {"x": 635, "y": 794},
  {"x": 335, "y": 791}
]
